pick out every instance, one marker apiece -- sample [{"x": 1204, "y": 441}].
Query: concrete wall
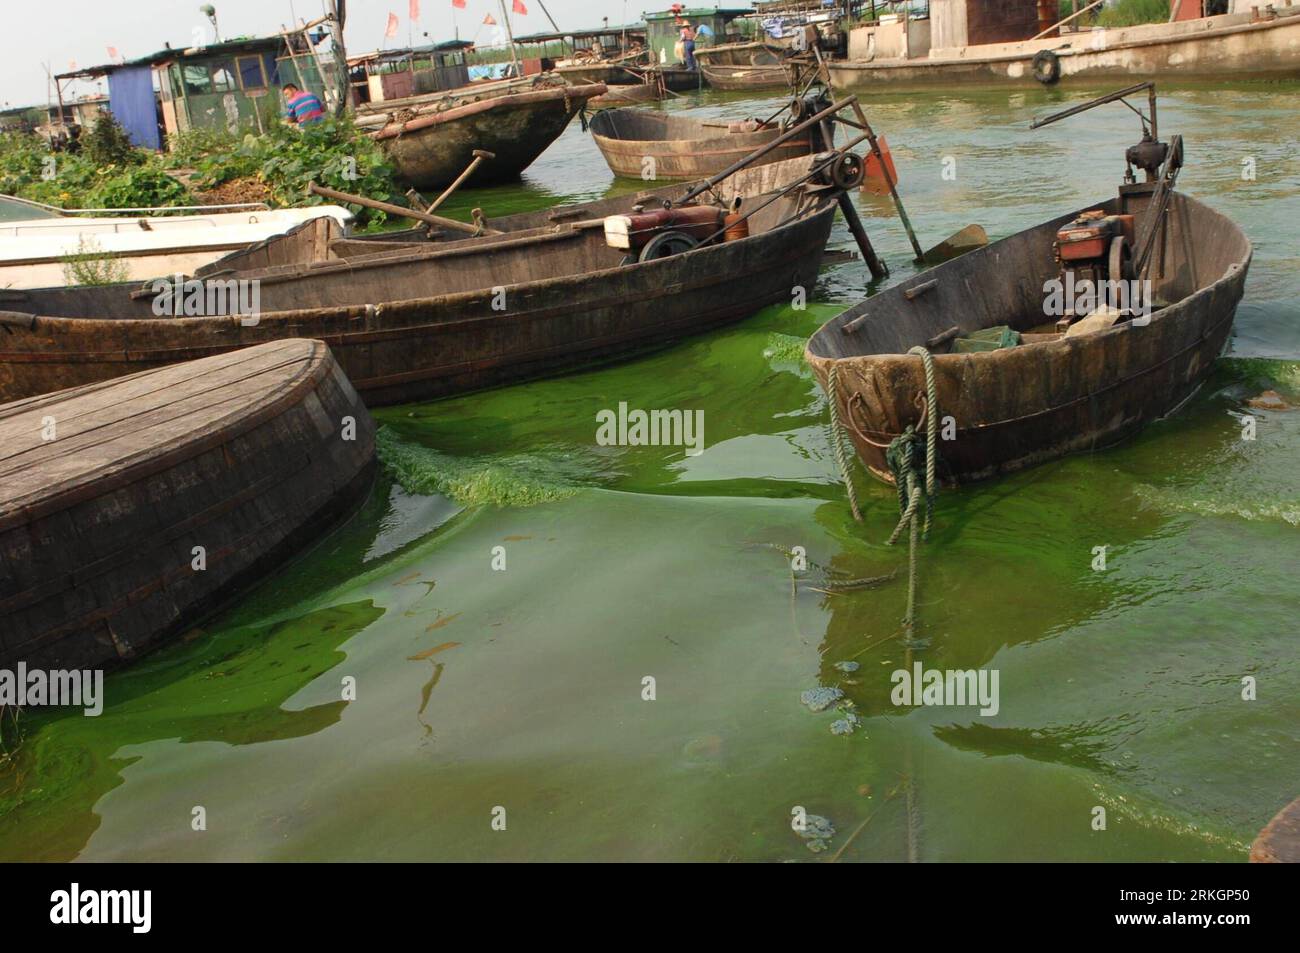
[{"x": 890, "y": 41}]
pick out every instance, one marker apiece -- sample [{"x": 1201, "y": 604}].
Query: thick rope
[
  {"x": 910, "y": 496},
  {"x": 837, "y": 442}
]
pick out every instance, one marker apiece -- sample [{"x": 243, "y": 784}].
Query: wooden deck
[
  {"x": 1279, "y": 842},
  {"x": 107, "y": 489}
]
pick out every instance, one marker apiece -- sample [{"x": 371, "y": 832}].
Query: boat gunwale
[{"x": 423, "y": 121}]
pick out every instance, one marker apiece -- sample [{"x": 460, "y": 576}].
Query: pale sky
[{"x": 67, "y": 32}]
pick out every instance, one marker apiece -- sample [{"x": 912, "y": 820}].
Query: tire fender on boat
[{"x": 1047, "y": 67}]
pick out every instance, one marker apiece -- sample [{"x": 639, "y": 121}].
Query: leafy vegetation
[
  {"x": 108, "y": 172},
  {"x": 90, "y": 264},
  {"x": 286, "y": 159},
  {"x": 1117, "y": 14}
]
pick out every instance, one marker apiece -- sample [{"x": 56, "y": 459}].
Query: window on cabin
[
  {"x": 223, "y": 76},
  {"x": 196, "y": 79},
  {"x": 251, "y": 73}
]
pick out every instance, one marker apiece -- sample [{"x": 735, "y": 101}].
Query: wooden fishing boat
[
  {"x": 748, "y": 53},
  {"x": 682, "y": 147},
  {"x": 1068, "y": 336},
  {"x": 413, "y": 321},
  {"x": 131, "y": 508},
  {"x": 673, "y": 77},
  {"x": 1279, "y": 842},
  {"x": 431, "y": 139},
  {"x": 1018, "y": 406},
  {"x": 728, "y": 77},
  {"x": 629, "y": 95},
  {"x": 744, "y": 66}
]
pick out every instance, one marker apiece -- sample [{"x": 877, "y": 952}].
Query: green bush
[
  {"x": 286, "y": 158},
  {"x": 1120, "y": 13},
  {"x": 108, "y": 144},
  {"x": 1133, "y": 12}
]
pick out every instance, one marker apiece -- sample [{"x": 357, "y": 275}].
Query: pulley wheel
[
  {"x": 847, "y": 171},
  {"x": 666, "y": 244}
]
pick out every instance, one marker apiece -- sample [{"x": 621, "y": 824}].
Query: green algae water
[{"x": 479, "y": 635}]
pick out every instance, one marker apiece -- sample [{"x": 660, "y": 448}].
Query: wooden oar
[
  {"x": 399, "y": 211},
  {"x": 479, "y": 156}
]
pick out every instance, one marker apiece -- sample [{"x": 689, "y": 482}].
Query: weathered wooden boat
[
  {"x": 674, "y": 77},
  {"x": 749, "y": 53},
  {"x": 1279, "y": 842},
  {"x": 635, "y": 142},
  {"x": 769, "y": 76},
  {"x": 431, "y": 139},
  {"x": 1018, "y": 406},
  {"x": 410, "y": 321},
  {"x": 131, "y": 508},
  {"x": 628, "y": 95},
  {"x": 744, "y": 66},
  {"x": 1068, "y": 336}
]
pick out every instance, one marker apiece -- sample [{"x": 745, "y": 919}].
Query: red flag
[
  {"x": 487, "y": 20},
  {"x": 391, "y": 29},
  {"x": 112, "y": 52},
  {"x": 458, "y": 3},
  {"x": 519, "y": 7},
  {"x": 414, "y": 9}
]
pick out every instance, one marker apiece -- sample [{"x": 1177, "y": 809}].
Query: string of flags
[{"x": 413, "y": 12}]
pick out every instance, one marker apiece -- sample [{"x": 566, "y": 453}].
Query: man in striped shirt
[{"x": 303, "y": 105}]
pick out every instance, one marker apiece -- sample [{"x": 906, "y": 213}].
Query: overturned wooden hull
[
  {"x": 410, "y": 321},
  {"x": 163, "y": 494},
  {"x": 642, "y": 143},
  {"x": 1020, "y": 406},
  {"x": 431, "y": 143}
]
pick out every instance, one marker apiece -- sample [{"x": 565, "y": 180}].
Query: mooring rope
[
  {"x": 837, "y": 442},
  {"x": 910, "y": 495}
]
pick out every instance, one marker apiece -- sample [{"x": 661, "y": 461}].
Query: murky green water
[{"x": 1120, "y": 689}]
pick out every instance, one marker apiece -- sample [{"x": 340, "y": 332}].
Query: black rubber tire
[
  {"x": 1047, "y": 67},
  {"x": 666, "y": 244}
]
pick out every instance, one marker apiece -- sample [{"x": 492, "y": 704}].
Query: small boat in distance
[
  {"x": 431, "y": 139},
  {"x": 643, "y": 143},
  {"x": 744, "y": 66},
  {"x": 162, "y": 495}
]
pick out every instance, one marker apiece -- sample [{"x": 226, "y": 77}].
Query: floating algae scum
[{"x": 1119, "y": 687}]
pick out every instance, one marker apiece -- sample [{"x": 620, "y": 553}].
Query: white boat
[{"x": 39, "y": 243}]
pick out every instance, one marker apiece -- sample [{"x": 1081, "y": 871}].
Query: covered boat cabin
[
  {"x": 713, "y": 26},
  {"x": 395, "y": 74},
  {"x": 232, "y": 85}
]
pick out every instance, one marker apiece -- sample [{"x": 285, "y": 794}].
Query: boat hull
[
  {"x": 430, "y": 150},
  {"x": 1216, "y": 48},
  {"x": 639, "y": 143},
  {"x": 239, "y": 460},
  {"x": 1017, "y": 407},
  {"x": 433, "y": 344},
  {"x": 727, "y": 77}
]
